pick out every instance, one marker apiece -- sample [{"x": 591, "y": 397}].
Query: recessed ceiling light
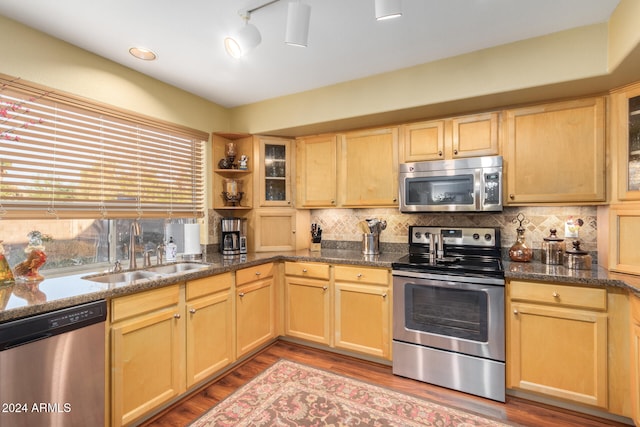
[{"x": 142, "y": 53}]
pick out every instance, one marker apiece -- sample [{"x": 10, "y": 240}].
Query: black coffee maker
[{"x": 232, "y": 236}]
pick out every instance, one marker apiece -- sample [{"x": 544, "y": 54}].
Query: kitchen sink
[
  {"x": 155, "y": 272},
  {"x": 126, "y": 277},
  {"x": 181, "y": 267}
]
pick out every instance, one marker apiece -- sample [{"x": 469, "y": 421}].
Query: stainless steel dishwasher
[{"x": 52, "y": 368}]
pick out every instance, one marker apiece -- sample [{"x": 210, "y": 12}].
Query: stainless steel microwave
[{"x": 467, "y": 185}]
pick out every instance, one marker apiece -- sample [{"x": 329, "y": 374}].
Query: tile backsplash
[{"x": 341, "y": 224}]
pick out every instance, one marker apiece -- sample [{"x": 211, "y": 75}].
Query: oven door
[{"x": 466, "y": 318}]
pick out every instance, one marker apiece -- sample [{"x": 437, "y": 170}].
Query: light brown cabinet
[
  {"x": 308, "y": 301},
  {"x": 274, "y": 177},
  {"x": 209, "y": 327},
  {"x": 244, "y": 177},
  {"x": 625, "y": 142},
  {"x": 368, "y": 168},
  {"x": 557, "y": 341},
  {"x": 635, "y": 358},
  {"x": 466, "y": 136},
  {"x": 255, "y": 307},
  {"x": 618, "y": 231},
  {"x": 147, "y": 352},
  {"x": 363, "y": 310},
  {"x": 317, "y": 174},
  {"x": 555, "y": 153}
]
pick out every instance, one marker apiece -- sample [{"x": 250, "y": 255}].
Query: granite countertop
[{"x": 26, "y": 299}]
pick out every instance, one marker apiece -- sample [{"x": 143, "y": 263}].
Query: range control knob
[
  {"x": 476, "y": 236},
  {"x": 418, "y": 235},
  {"x": 487, "y": 237}
]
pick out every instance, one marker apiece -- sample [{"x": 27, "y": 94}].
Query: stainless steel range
[{"x": 448, "y": 310}]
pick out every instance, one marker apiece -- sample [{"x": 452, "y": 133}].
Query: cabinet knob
[
  {"x": 177, "y": 315},
  {"x": 257, "y": 273},
  {"x": 192, "y": 310},
  {"x": 359, "y": 275},
  {"x": 395, "y": 200},
  {"x": 384, "y": 295},
  {"x": 455, "y": 152},
  {"x": 440, "y": 153},
  {"x": 515, "y": 312},
  {"x": 324, "y": 288},
  {"x": 304, "y": 270},
  {"x": 333, "y": 202},
  {"x": 241, "y": 294},
  {"x": 511, "y": 196},
  {"x": 556, "y": 295}
]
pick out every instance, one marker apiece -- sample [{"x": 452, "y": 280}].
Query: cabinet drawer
[
  {"x": 144, "y": 302},
  {"x": 569, "y": 296},
  {"x": 249, "y": 274},
  {"x": 307, "y": 269},
  {"x": 378, "y": 276},
  {"x": 208, "y": 285}
]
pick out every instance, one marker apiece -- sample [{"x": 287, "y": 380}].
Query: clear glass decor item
[
  {"x": 519, "y": 251},
  {"x": 27, "y": 270},
  {"x": 6, "y": 275}
]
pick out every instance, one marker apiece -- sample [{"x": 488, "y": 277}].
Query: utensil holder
[{"x": 370, "y": 243}]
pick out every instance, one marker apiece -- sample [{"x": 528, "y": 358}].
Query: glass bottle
[
  {"x": 6, "y": 275},
  {"x": 519, "y": 251}
]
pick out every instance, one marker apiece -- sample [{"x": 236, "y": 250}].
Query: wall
[{"x": 341, "y": 224}]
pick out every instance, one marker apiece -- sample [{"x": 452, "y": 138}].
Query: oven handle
[{"x": 449, "y": 278}]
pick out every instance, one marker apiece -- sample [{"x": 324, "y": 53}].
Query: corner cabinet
[
  {"x": 274, "y": 171},
  {"x": 368, "y": 168},
  {"x": 555, "y": 153},
  {"x": 465, "y": 136},
  {"x": 635, "y": 358},
  {"x": 557, "y": 341},
  {"x": 625, "y": 137},
  {"x": 221, "y": 176}
]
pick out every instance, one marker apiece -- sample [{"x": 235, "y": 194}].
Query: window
[{"x": 80, "y": 172}]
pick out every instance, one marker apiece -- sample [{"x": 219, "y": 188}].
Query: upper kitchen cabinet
[
  {"x": 274, "y": 171},
  {"x": 316, "y": 177},
  {"x": 368, "y": 168},
  {"x": 625, "y": 141},
  {"x": 232, "y": 182},
  {"x": 466, "y": 136},
  {"x": 555, "y": 153}
]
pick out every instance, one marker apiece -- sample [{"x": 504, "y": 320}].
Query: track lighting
[
  {"x": 387, "y": 9},
  {"x": 247, "y": 38},
  {"x": 298, "y": 15}
]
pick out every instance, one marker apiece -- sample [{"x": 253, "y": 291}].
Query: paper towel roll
[{"x": 192, "y": 239}]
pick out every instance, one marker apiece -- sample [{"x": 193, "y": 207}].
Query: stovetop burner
[{"x": 467, "y": 251}]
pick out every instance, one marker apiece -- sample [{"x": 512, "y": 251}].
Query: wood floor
[{"x": 515, "y": 410}]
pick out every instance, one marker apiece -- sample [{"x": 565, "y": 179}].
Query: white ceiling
[{"x": 345, "y": 40}]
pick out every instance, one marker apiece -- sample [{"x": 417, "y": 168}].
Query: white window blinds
[{"x": 64, "y": 157}]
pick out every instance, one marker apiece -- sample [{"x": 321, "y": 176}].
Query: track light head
[
  {"x": 298, "y": 15},
  {"x": 244, "y": 40},
  {"x": 387, "y": 9}
]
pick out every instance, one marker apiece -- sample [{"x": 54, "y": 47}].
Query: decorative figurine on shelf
[
  {"x": 230, "y": 157},
  {"x": 27, "y": 270},
  {"x": 6, "y": 276},
  {"x": 243, "y": 162},
  {"x": 520, "y": 251}
]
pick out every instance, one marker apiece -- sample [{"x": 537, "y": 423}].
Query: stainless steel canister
[
  {"x": 576, "y": 258},
  {"x": 552, "y": 249}
]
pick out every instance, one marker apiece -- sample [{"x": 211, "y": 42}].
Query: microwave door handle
[{"x": 478, "y": 197}]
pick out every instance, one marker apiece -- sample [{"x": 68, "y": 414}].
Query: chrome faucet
[{"x": 134, "y": 232}]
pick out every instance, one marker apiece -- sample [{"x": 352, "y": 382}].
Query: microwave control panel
[{"x": 492, "y": 188}]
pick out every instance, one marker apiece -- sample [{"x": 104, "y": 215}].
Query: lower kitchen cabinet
[
  {"x": 147, "y": 351},
  {"x": 363, "y": 310},
  {"x": 635, "y": 358},
  {"x": 255, "y": 307},
  {"x": 209, "y": 326},
  {"x": 557, "y": 341},
  {"x": 308, "y": 301}
]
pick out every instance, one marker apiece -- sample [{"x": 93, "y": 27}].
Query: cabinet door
[
  {"x": 475, "y": 135},
  {"x": 555, "y": 153},
  {"x": 146, "y": 354},
  {"x": 362, "y": 318},
  {"x": 625, "y": 138},
  {"x": 558, "y": 352},
  {"x": 624, "y": 229},
  {"x": 209, "y": 335},
  {"x": 274, "y": 230},
  {"x": 423, "y": 141},
  {"x": 316, "y": 181},
  {"x": 275, "y": 171},
  {"x": 255, "y": 315},
  {"x": 308, "y": 309},
  {"x": 369, "y": 168},
  {"x": 635, "y": 358}
]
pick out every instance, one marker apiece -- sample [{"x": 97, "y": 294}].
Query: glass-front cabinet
[
  {"x": 626, "y": 134},
  {"x": 275, "y": 174}
]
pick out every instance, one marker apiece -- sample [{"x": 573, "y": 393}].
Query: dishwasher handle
[{"x": 24, "y": 340}]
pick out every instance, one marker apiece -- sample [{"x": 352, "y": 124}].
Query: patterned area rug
[{"x": 291, "y": 394}]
